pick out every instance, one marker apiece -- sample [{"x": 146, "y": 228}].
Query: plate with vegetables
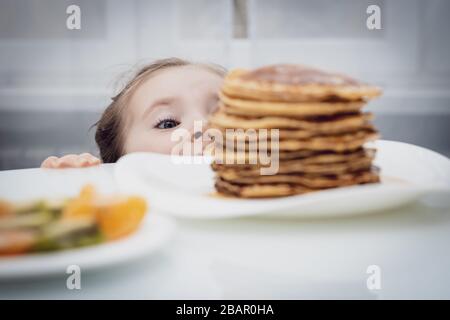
[{"x": 48, "y": 236}]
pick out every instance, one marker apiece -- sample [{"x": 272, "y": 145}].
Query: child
[{"x": 163, "y": 96}]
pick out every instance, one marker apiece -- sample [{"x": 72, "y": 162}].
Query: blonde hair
[{"x": 109, "y": 134}]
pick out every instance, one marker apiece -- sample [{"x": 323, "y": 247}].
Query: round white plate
[
  {"x": 16, "y": 185},
  {"x": 154, "y": 232},
  {"x": 187, "y": 191}
]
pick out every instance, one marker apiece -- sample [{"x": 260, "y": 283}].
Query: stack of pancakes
[{"x": 321, "y": 131}]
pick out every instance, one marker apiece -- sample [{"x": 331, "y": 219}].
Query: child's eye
[{"x": 167, "y": 124}]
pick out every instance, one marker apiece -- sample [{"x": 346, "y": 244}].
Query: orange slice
[{"x": 121, "y": 217}]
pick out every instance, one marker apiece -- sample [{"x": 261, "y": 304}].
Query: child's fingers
[
  {"x": 50, "y": 162},
  {"x": 68, "y": 161},
  {"x": 71, "y": 161},
  {"x": 87, "y": 159}
]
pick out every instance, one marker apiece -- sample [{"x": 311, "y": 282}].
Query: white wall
[{"x": 45, "y": 66}]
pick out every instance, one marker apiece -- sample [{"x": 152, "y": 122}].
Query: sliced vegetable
[
  {"x": 31, "y": 220},
  {"x": 60, "y": 224},
  {"x": 67, "y": 233}
]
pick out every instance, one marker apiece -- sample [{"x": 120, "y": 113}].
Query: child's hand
[{"x": 71, "y": 161}]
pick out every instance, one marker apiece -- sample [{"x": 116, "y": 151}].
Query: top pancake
[{"x": 295, "y": 83}]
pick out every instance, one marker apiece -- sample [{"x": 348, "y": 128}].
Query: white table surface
[{"x": 259, "y": 258}]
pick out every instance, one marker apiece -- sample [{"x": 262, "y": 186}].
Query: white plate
[
  {"x": 154, "y": 232},
  {"x": 28, "y": 184},
  {"x": 186, "y": 190}
]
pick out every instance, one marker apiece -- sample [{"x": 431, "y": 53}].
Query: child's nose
[
  {"x": 197, "y": 127},
  {"x": 200, "y": 135}
]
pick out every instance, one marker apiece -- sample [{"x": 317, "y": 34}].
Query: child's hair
[{"x": 109, "y": 134}]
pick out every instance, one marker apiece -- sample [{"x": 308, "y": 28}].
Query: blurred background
[{"x": 55, "y": 82}]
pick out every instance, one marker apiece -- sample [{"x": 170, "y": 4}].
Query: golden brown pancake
[
  {"x": 293, "y": 166},
  {"x": 242, "y": 159},
  {"x": 312, "y": 181},
  {"x": 287, "y": 82},
  {"x": 320, "y": 137},
  {"x": 259, "y": 191},
  {"x": 339, "y": 143},
  {"x": 299, "y": 109},
  {"x": 286, "y": 185},
  {"x": 334, "y": 124}
]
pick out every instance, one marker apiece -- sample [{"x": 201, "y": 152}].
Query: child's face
[{"x": 171, "y": 99}]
